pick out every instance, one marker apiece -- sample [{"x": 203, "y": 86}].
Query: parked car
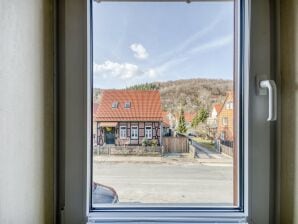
[{"x": 103, "y": 194}]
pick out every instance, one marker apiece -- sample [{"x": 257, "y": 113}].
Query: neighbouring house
[
  {"x": 189, "y": 116},
  {"x": 212, "y": 119},
  {"x": 126, "y": 117},
  {"x": 225, "y": 119},
  {"x": 169, "y": 123},
  {"x": 172, "y": 120}
]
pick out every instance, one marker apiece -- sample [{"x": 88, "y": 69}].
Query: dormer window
[
  {"x": 115, "y": 104},
  {"x": 127, "y": 104}
]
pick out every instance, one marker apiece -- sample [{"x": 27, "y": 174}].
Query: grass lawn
[{"x": 204, "y": 142}]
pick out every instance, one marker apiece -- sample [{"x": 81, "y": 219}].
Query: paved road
[
  {"x": 204, "y": 153},
  {"x": 167, "y": 182}
]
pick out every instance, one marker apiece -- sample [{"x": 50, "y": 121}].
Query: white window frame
[
  {"x": 75, "y": 129},
  {"x": 229, "y": 105},
  {"x": 225, "y": 121},
  {"x": 115, "y": 104},
  {"x": 150, "y": 137},
  {"x": 120, "y": 132},
  {"x": 132, "y": 135},
  {"x": 127, "y": 105},
  {"x": 222, "y": 135}
]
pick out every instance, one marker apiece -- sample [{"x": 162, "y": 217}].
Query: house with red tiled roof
[
  {"x": 215, "y": 110},
  {"x": 168, "y": 123},
  {"x": 126, "y": 117},
  {"x": 189, "y": 116},
  {"x": 165, "y": 119},
  {"x": 225, "y": 119},
  {"x": 212, "y": 119}
]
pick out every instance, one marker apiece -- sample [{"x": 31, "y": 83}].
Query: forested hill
[{"x": 191, "y": 94}]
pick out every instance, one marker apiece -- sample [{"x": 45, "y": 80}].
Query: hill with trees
[{"x": 189, "y": 94}]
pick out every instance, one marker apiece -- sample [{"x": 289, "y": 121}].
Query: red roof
[
  {"x": 189, "y": 116},
  {"x": 95, "y": 106},
  {"x": 144, "y": 106},
  {"x": 217, "y": 107}
]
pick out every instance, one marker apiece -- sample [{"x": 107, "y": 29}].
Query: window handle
[{"x": 272, "y": 92}]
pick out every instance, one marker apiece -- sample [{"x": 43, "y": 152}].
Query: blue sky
[{"x": 145, "y": 42}]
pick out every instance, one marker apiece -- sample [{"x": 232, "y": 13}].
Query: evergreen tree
[
  {"x": 200, "y": 117},
  {"x": 181, "y": 125},
  {"x": 146, "y": 86}
]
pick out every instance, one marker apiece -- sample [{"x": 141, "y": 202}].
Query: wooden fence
[{"x": 175, "y": 144}]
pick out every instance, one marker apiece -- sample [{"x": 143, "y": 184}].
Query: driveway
[{"x": 167, "y": 181}]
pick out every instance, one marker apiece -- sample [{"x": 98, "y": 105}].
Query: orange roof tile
[
  {"x": 217, "y": 107},
  {"x": 145, "y": 106},
  {"x": 189, "y": 116},
  {"x": 95, "y": 106}
]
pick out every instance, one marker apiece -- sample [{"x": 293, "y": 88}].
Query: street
[{"x": 167, "y": 181}]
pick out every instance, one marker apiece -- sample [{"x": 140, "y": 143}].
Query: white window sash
[
  {"x": 134, "y": 132},
  {"x": 148, "y": 132},
  {"x": 75, "y": 75},
  {"x": 123, "y": 130}
]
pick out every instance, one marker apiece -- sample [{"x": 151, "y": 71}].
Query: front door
[{"x": 110, "y": 136}]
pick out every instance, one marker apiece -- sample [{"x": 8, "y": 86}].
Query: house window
[
  {"x": 115, "y": 104},
  {"x": 229, "y": 105},
  {"x": 225, "y": 121},
  {"x": 134, "y": 133},
  {"x": 122, "y": 132},
  {"x": 222, "y": 135},
  {"x": 127, "y": 104},
  {"x": 148, "y": 132}
]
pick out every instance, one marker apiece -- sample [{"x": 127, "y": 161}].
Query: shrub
[
  {"x": 145, "y": 142},
  {"x": 181, "y": 124},
  {"x": 154, "y": 142}
]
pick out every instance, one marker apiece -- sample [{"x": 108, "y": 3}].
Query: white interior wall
[{"x": 26, "y": 111}]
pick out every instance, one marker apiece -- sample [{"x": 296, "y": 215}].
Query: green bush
[
  {"x": 154, "y": 142},
  {"x": 145, "y": 142}
]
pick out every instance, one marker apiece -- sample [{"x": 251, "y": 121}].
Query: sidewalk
[{"x": 169, "y": 158}]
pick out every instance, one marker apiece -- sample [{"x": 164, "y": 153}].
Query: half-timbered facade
[
  {"x": 225, "y": 119},
  {"x": 126, "y": 117}
]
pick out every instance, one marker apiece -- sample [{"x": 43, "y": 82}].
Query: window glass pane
[
  {"x": 122, "y": 132},
  {"x": 164, "y": 109},
  {"x": 148, "y": 132}
]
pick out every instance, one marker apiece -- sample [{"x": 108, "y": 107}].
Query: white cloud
[
  {"x": 124, "y": 71},
  {"x": 117, "y": 70},
  {"x": 139, "y": 50},
  {"x": 151, "y": 73}
]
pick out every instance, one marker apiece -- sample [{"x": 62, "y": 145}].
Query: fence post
[{"x": 175, "y": 144}]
